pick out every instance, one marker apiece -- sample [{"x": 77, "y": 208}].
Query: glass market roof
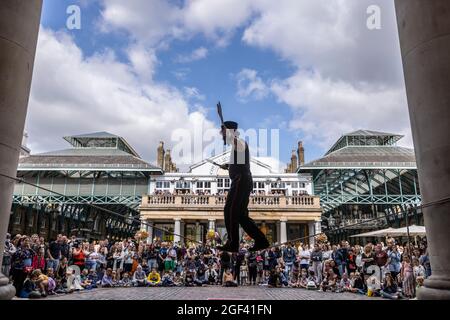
[{"x": 93, "y": 152}]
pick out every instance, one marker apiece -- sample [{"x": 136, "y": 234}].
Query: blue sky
[{"x": 313, "y": 71}]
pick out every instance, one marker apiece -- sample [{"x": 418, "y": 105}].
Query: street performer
[{"x": 236, "y": 207}]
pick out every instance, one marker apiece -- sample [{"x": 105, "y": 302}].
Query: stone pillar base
[
  {"x": 7, "y": 291},
  {"x": 427, "y": 293}
]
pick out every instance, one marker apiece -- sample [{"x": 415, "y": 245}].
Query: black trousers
[{"x": 236, "y": 211}]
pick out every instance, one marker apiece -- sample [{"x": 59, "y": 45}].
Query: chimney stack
[
  {"x": 301, "y": 154},
  {"x": 160, "y": 155}
]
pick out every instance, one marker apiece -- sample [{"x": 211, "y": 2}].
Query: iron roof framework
[
  {"x": 117, "y": 191},
  {"x": 365, "y": 170}
]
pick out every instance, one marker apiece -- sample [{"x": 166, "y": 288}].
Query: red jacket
[{"x": 38, "y": 263}]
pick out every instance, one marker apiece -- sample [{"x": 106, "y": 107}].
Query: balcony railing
[{"x": 218, "y": 201}]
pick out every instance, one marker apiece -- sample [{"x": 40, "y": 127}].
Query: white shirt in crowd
[{"x": 305, "y": 256}]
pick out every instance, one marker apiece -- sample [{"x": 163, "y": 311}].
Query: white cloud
[
  {"x": 250, "y": 86},
  {"x": 197, "y": 54},
  {"x": 325, "y": 109},
  {"x": 193, "y": 93},
  {"x": 74, "y": 94}
]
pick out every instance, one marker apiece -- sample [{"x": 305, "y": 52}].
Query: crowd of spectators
[{"x": 38, "y": 268}]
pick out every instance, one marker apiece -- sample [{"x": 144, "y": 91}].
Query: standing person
[
  {"x": 367, "y": 258},
  {"x": 316, "y": 258},
  {"x": 289, "y": 258},
  {"x": 7, "y": 254},
  {"x": 225, "y": 264},
  {"x": 341, "y": 258},
  {"x": 21, "y": 263},
  {"x": 54, "y": 253},
  {"x": 393, "y": 261},
  {"x": 351, "y": 262},
  {"x": 39, "y": 260},
  {"x": 78, "y": 256},
  {"x": 252, "y": 267},
  {"x": 236, "y": 207},
  {"x": 305, "y": 255},
  {"x": 407, "y": 276}
]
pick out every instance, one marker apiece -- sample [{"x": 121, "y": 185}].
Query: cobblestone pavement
[{"x": 207, "y": 293}]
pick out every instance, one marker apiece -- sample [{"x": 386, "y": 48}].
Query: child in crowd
[
  {"x": 228, "y": 279},
  {"x": 345, "y": 284},
  {"x": 29, "y": 289},
  {"x": 178, "y": 279},
  {"x": 167, "y": 279},
  {"x": 107, "y": 280},
  {"x": 154, "y": 279},
  {"x": 302, "y": 280},
  {"x": 312, "y": 281},
  {"x": 93, "y": 278},
  {"x": 189, "y": 279},
  {"x": 126, "y": 280},
  {"x": 211, "y": 275},
  {"x": 244, "y": 274},
  {"x": 139, "y": 277},
  {"x": 86, "y": 283}
]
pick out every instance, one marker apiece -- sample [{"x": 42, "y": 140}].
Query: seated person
[
  {"x": 389, "y": 289},
  {"x": 51, "y": 282},
  {"x": 139, "y": 277},
  {"x": 73, "y": 281},
  {"x": 283, "y": 279},
  {"x": 41, "y": 281},
  {"x": 126, "y": 281},
  {"x": 189, "y": 278},
  {"x": 92, "y": 277},
  {"x": 200, "y": 277},
  {"x": 107, "y": 281},
  {"x": 211, "y": 275},
  {"x": 85, "y": 282},
  {"x": 116, "y": 277},
  {"x": 357, "y": 284},
  {"x": 29, "y": 289},
  {"x": 167, "y": 279},
  {"x": 312, "y": 281},
  {"x": 373, "y": 286},
  {"x": 329, "y": 281},
  {"x": 145, "y": 268},
  {"x": 154, "y": 279},
  {"x": 345, "y": 284},
  {"x": 228, "y": 279},
  {"x": 178, "y": 279}
]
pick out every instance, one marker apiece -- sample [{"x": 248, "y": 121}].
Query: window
[
  {"x": 162, "y": 185},
  {"x": 223, "y": 184},
  {"x": 18, "y": 217},
  {"x": 203, "y": 186},
  {"x": 278, "y": 185},
  {"x": 183, "y": 185},
  {"x": 258, "y": 186},
  {"x": 31, "y": 220}
]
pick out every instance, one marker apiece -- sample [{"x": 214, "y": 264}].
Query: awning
[
  {"x": 377, "y": 233},
  {"x": 413, "y": 231}
]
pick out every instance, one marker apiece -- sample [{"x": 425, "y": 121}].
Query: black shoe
[
  {"x": 228, "y": 248},
  {"x": 260, "y": 246}
]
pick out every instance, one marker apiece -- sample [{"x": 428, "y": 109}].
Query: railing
[{"x": 255, "y": 201}]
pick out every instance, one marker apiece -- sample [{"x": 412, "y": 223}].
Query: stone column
[
  {"x": 212, "y": 224},
  {"x": 312, "y": 231},
  {"x": 177, "y": 230},
  {"x": 283, "y": 231},
  {"x": 424, "y": 28},
  {"x": 150, "y": 231},
  {"x": 19, "y": 26}
]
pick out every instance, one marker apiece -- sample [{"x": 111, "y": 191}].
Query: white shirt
[{"x": 304, "y": 256}]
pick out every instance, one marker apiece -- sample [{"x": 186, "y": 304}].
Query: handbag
[{"x": 28, "y": 269}]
